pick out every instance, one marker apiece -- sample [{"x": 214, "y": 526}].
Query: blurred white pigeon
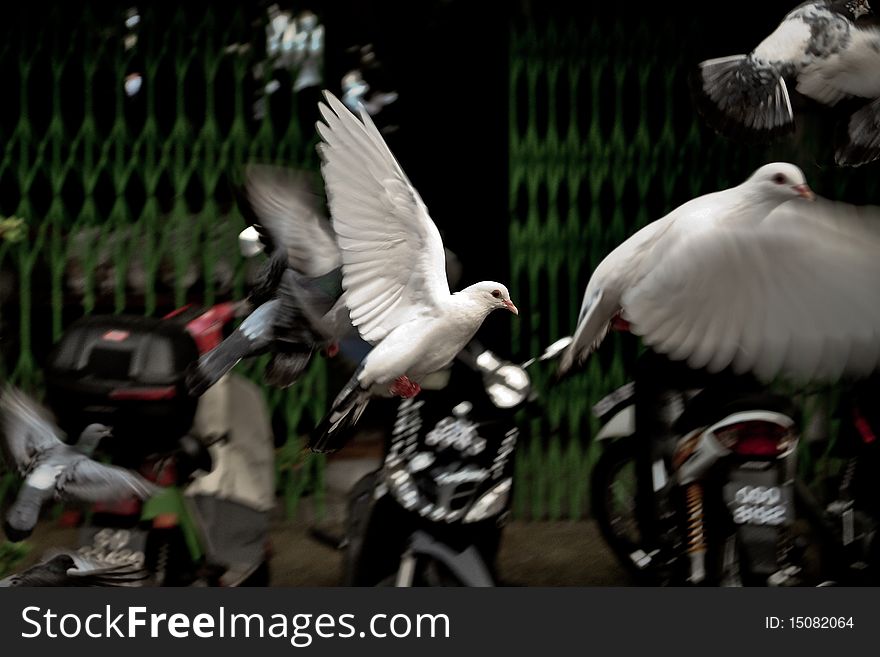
[
  {"x": 831, "y": 48},
  {"x": 393, "y": 271},
  {"x": 755, "y": 276},
  {"x": 53, "y": 469}
]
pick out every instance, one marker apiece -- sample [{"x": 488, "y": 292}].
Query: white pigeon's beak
[
  {"x": 509, "y": 305},
  {"x": 805, "y": 192}
]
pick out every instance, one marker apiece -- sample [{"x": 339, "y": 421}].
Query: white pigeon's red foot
[
  {"x": 332, "y": 350},
  {"x": 620, "y": 324},
  {"x": 403, "y": 387}
]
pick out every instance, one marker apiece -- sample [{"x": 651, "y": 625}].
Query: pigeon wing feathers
[
  {"x": 303, "y": 306},
  {"x": 795, "y": 295},
  {"x": 89, "y": 571},
  {"x": 740, "y": 93},
  {"x": 745, "y": 93},
  {"x": 63, "y": 568},
  {"x": 86, "y": 480},
  {"x": 595, "y": 316},
  {"x": 850, "y": 67},
  {"x": 27, "y": 429},
  {"x": 393, "y": 260},
  {"x": 287, "y": 212},
  {"x": 863, "y": 137}
]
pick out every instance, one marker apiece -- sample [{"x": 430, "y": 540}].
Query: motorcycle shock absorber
[
  {"x": 696, "y": 546},
  {"x": 846, "y": 481},
  {"x": 162, "y": 563},
  {"x": 843, "y": 506}
]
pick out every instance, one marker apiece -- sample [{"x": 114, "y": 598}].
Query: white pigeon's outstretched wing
[
  {"x": 86, "y": 480},
  {"x": 26, "y": 429},
  {"x": 797, "y": 295},
  {"x": 393, "y": 263},
  {"x": 289, "y": 216}
]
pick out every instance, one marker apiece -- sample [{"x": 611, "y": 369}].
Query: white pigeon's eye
[
  {"x": 780, "y": 179},
  {"x": 496, "y": 294}
]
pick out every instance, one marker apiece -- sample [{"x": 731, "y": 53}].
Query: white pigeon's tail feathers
[
  {"x": 333, "y": 431},
  {"x": 863, "y": 137},
  {"x": 739, "y": 96},
  {"x": 592, "y": 328}
]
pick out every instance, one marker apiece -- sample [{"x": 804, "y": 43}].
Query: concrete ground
[{"x": 532, "y": 553}]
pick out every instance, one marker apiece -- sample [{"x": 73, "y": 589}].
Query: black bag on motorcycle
[{"x": 126, "y": 372}]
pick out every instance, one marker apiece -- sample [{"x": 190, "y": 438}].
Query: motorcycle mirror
[
  {"x": 249, "y": 242},
  {"x": 556, "y": 348},
  {"x": 552, "y": 351}
]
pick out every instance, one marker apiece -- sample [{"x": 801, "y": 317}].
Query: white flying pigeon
[
  {"x": 53, "y": 469},
  {"x": 756, "y": 276},
  {"x": 296, "y": 294},
  {"x": 830, "y": 48},
  {"x": 393, "y": 271}
]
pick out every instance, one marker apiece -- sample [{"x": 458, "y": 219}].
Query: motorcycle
[
  {"x": 701, "y": 487},
  {"x": 128, "y": 372},
  {"x": 433, "y": 514}
]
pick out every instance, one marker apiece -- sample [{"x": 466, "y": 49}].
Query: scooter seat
[{"x": 712, "y": 405}]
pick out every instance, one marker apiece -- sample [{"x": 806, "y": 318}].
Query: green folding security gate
[{"x": 79, "y": 157}]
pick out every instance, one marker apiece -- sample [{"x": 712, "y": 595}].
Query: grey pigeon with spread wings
[
  {"x": 830, "y": 49},
  {"x": 71, "y": 569},
  {"x": 297, "y": 291},
  {"x": 752, "y": 277},
  {"x": 52, "y": 469},
  {"x": 393, "y": 271}
]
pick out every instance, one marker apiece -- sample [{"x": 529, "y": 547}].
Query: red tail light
[
  {"x": 863, "y": 427},
  {"x": 144, "y": 394},
  {"x": 756, "y": 438}
]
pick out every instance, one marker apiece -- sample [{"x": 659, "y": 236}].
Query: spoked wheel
[{"x": 613, "y": 498}]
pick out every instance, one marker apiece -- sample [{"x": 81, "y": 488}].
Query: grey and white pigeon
[
  {"x": 71, "y": 569},
  {"x": 755, "y": 277},
  {"x": 53, "y": 469},
  {"x": 296, "y": 293},
  {"x": 830, "y": 49},
  {"x": 393, "y": 271}
]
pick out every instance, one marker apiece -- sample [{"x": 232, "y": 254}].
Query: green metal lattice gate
[{"x": 132, "y": 189}]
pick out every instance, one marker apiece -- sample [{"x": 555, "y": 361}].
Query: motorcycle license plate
[{"x": 759, "y": 500}]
